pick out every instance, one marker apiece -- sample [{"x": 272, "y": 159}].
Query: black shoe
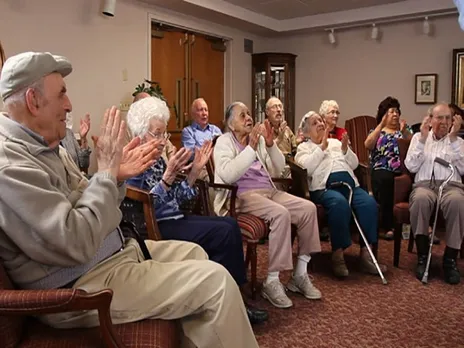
[
  {"x": 421, "y": 263},
  {"x": 256, "y": 316},
  {"x": 451, "y": 271}
]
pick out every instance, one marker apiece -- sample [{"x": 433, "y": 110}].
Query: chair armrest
[
  {"x": 402, "y": 188},
  {"x": 37, "y": 302},
  {"x": 145, "y": 198},
  {"x": 287, "y": 181},
  {"x": 362, "y": 173},
  {"x": 233, "y": 195}
]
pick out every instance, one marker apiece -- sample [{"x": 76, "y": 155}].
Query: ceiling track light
[
  {"x": 332, "y": 38},
  {"x": 109, "y": 8},
  {"x": 374, "y": 32},
  {"x": 426, "y": 28}
]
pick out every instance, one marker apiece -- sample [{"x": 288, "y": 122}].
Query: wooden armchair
[
  {"x": 358, "y": 129},
  {"x": 402, "y": 190}
]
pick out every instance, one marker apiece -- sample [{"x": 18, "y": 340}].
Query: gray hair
[
  {"x": 271, "y": 99},
  {"x": 430, "y": 109},
  {"x": 304, "y": 124},
  {"x": 19, "y": 98},
  {"x": 326, "y": 105},
  {"x": 143, "y": 111},
  {"x": 228, "y": 114}
]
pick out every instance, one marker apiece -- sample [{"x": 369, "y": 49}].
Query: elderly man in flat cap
[{"x": 58, "y": 230}]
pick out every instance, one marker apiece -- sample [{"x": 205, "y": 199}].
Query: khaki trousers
[
  {"x": 422, "y": 204},
  {"x": 282, "y": 210},
  {"x": 179, "y": 283}
]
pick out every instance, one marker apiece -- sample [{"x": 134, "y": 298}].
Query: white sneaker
[
  {"x": 304, "y": 286},
  {"x": 274, "y": 291}
]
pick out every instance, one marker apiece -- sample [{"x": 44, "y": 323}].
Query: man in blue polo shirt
[{"x": 200, "y": 129}]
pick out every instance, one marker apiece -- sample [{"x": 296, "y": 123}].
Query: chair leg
[
  {"x": 411, "y": 242},
  {"x": 397, "y": 244},
  {"x": 252, "y": 257},
  {"x": 462, "y": 250}
]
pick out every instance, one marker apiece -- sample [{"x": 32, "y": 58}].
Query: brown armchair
[{"x": 358, "y": 129}]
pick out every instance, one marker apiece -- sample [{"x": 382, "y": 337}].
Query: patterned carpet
[{"x": 362, "y": 312}]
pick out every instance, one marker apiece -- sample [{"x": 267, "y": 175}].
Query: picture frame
[
  {"x": 457, "y": 77},
  {"x": 2, "y": 56},
  {"x": 426, "y": 88}
]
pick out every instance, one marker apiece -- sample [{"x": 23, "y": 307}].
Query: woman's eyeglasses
[{"x": 162, "y": 136}]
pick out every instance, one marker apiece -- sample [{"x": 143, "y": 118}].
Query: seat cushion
[
  {"x": 142, "y": 334},
  {"x": 401, "y": 213},
  {"x": 253, "y": 228}
]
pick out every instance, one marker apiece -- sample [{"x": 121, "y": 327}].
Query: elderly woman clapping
[
  {"x": 327, "y": 161},
  {"x": 219, "y": 236},
  {"x": 247, "y": 156},
  {"x": 330, "y": 112}
]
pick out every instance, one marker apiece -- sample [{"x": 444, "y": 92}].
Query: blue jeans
[{"x": 335, "y": 203}]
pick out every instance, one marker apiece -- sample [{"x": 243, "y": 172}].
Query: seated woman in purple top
[
  {"x": 247, "y": 156},
  {"x": 200, "y": 130}
]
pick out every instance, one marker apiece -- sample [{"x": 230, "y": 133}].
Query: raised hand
[
  {"x": 137, "y": 159},
  {"x": 202, "y": 156},
  {"x": 456, "y": 127},
  {"x": 84, "y": 126},
  {"x": 266, "y": 132},
  {"x": 109, "y": 147},
  {"x": 176, "y": 164},
  {"x": 345, "y": 142},
  {"x": 383, "y": 123},
  {"x": 425, "y": 129},
  {"x": 403, "y": 125},
  {"x": 325, "y": 141},
  {"x": 254, "y": 136}
]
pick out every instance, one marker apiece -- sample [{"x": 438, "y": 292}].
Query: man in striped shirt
[{"x": 438, "y": 137}]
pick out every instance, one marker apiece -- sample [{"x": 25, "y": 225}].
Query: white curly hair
[
  {"x": 143, "y": 111},
  {"x": 305, "y": 119},
  {"x": 326, "y": 105}
]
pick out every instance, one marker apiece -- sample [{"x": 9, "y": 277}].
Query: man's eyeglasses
[
  {"x": 442, "y": 118},
  {"x": 162, "y": 136}
]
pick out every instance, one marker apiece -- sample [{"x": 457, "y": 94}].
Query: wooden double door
[{"x": 188, "y": 66}]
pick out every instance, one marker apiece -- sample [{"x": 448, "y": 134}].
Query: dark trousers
[
  {"x": 335, "y": 203},
  {"x": 383, "y": 187},
  {"x": 220, "y": 237}
]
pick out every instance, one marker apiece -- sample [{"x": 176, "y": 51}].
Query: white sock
[
  {"x": 272, "y": 276},
  {"x": 302, "y": 265}
]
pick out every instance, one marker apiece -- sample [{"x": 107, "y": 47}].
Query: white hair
[
  {"x": 270, "y": 100},
  {"x": 304, "y": 121},
  {"x": 19, "y": 98},
  {"x": 143, "y": 111},
  {"x": 326, "y": 105},
  {"x": 228, "y": 114}
]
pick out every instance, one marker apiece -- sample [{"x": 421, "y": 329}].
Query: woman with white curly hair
[
  {"x": 330, "y": 112},
  {"x": 220, "y": 237}
]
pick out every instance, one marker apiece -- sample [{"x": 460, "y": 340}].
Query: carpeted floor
[{"x": 362, "y": 312}]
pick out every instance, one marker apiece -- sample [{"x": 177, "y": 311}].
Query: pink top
[{"x": 255, "y": 178}]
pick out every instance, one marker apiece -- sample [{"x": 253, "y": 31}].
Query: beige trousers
[
  {"x": 282, "y": 209},
  {"x": 179, "y": 283},
  {"x": 422, "y": 204}
]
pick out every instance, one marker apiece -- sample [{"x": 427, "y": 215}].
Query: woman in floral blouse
[{"x": 385, "y": 157}]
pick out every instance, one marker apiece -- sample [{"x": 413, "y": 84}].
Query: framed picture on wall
[
  {"x": 426, "y": 88},
  {"x": 457, "y": 77},
  {"x": 2, "y": 56}
]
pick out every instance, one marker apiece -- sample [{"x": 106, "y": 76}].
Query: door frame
[{"x": 198, "y": 26}]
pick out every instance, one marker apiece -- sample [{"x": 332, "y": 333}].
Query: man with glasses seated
[
  {"x": 220, "y": 237},
  {"x": 438, "y": 137}
]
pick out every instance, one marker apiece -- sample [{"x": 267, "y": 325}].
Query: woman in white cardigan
[
  {"x": 247, "y": 156},
  {"x": 328, "y": 161}
]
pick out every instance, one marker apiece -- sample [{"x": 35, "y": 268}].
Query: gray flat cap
[{"x": 24, "y": 69}]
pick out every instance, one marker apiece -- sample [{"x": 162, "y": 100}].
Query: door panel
[{"x": 207, "y": 77}]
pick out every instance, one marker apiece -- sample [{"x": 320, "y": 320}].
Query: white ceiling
[
  {"x": 287, "y": 9},
  {"x": 272, "y": 17}
]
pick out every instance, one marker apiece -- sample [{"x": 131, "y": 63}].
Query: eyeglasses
[
  {"x": 442, "y": 118},
  {"x": 276, "y": 107},
  {"x": 163, "y": 136},
  {"x": 334, "y": 112}
]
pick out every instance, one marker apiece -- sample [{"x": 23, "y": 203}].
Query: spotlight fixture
[
  {"x": 374, "y": 32},
  {"x": 332, "y": 38},
  {"x": 109, "y": 7},
  {"x": 426, "y": 29}
]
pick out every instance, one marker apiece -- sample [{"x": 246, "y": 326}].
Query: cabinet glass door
[
  {"x": 260, "y": 96},
  {"x": 278, "y": 75}
]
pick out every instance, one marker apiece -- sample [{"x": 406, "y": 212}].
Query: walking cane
[
  {"x": 371, "y": 254},
  {"x": 440, "y": 194}
]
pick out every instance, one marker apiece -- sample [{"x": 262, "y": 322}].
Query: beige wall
[
  {"x": 359, "y": 72},
  {"x": 100, "y": 48}
]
